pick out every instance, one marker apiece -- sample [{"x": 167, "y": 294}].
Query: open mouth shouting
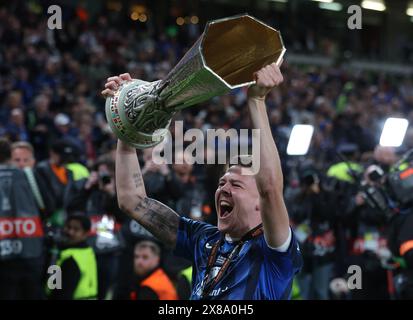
[{"x": 225, "y": 208}]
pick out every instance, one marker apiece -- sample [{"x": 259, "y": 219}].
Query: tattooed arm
[{"x": 156, "y": 217}]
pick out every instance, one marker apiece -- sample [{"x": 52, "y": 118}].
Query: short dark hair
[
  {"x": 66, "y": 149},
  {"x": 155, "y": 248},
  {"x": 105, "y": 160},
  {"x": 5, "y": 150},
  {"x": 84, "y": 220}
]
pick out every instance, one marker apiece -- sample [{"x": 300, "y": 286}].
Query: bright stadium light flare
[
  {"x": 393, "y": 133},
  {"x": 377, "y": 5},
  {"x": 332, "y": 6},
  {"x": 325, "y": 1},
  {"x": 409, "y": 10},
  {"x": 300, "y": 139}
]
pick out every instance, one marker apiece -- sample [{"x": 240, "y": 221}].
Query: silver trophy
[{"x": 224, "y": 57}]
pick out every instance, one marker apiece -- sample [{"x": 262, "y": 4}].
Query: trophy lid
[{"x": 234, "y": 48}]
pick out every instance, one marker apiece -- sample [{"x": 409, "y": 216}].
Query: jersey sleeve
[
  {"x": 190, "y": 235},
  {"x": 283, "y": 265}
]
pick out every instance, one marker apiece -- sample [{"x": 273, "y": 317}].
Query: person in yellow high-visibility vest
[
  {"x": 77, "y": 262},
  {"x": 348, "y": 167}
]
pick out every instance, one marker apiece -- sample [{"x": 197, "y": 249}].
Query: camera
[
  {"x": 398, "y": 185},
  {"x": 376, "y": 174},
  {"x": 308, "y": 176},
  {"x": 376, "y": 198},
  {"x": 105, "y": 178}
]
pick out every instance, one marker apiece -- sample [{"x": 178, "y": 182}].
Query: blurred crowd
[{"x": 52, "y": 113}]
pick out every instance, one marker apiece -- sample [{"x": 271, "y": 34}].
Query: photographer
[
  {"x": 341, "y": 185},
  {"x": 399, "y": 183},
  {"x": 96, "y": 196},
  {"x": 366, "y": 227},
  {"x": 390, "y": 198},
  {"x": 310, "y": 210}
]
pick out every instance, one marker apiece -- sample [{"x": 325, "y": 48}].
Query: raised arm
[
  {"x": 156, "y": 217},
  {"x": 269, "y": 178}
]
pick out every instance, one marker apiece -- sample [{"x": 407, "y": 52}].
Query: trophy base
[{"x": 122, "y": 120}]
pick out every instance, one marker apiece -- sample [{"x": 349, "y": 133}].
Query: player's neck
[
  {"x": 231, "y": 239},
  {"x": 236, "y": 236}
]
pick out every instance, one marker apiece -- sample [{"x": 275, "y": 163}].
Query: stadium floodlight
[
  {"x": 332, "y": 6},
  {"x": 393, "y": 133},
  {"x": 409, "y": 10},
  {"x": 377, "y": 5},
  {"x": 300, "y": 139}
]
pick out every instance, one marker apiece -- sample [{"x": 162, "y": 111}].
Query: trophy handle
[{"x": 137, "y": 115}]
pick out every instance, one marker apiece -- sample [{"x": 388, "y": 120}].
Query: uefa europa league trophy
[{"x": 225, "y": 57}]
